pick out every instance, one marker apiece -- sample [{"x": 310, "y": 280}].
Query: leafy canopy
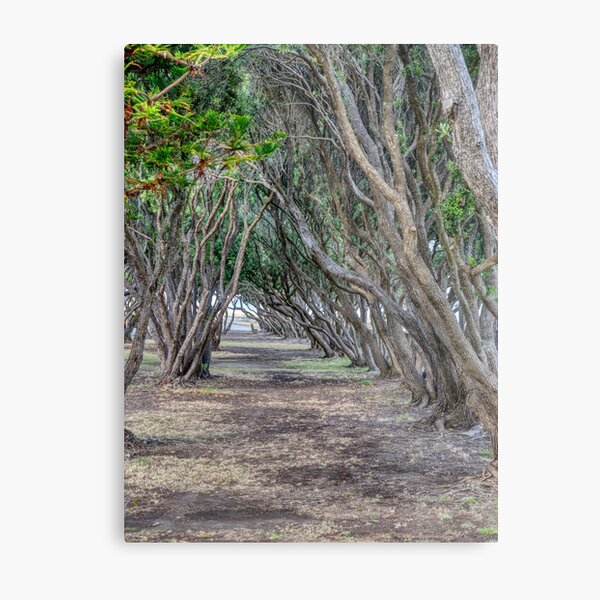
[{"x": 172, "y": 138}]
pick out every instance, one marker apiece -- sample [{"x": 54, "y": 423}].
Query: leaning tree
[
  {"x": 372, "y": 230},
  {"x": 397, "y": 154}
]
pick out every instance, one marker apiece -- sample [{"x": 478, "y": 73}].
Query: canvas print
[{"x": 310, "y": 293}]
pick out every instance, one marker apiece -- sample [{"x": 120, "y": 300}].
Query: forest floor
[{"x": 281, "y": 445}]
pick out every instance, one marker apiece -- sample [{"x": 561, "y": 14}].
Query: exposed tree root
[
  {"x": 490, "y": 474},
  {"x": 487, "y": 479},
  {"x": 133, "y": 444},
  {"x": 185, "y": 383}
]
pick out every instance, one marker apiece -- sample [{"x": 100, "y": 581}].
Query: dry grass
[{"x": 266, "y": 452}]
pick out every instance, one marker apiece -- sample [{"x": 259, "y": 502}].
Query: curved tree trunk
[{"x": 460, "y": 106}]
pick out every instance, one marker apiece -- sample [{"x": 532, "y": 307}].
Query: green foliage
[
  {"x": 444, "y": 131},
  {"x": 471, "y": 56},
  {"x": 175, "y": 128},
  {"x": 320, "y": 364},
  {"x": 269, "y": 145},
  {"x": 211, "y": 120},
  {"x": 417, "y": 65},
  {"x": 223, "y": 88},
  {"x": 402, "y": 137},
  {"x": 238, "y": 128},
  {"x": 456, "y": 206},
  {"x": 488, "y": 530},
  {"x": 491, "y": 290},
  {"x": 404, "y": 418},
  {"x": 453, "y": 170}
]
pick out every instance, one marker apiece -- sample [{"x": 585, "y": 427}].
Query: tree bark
[{"x": 461, "y": 108}]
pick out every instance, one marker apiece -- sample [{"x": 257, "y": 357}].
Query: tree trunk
[{"x": 460, "y": 107}]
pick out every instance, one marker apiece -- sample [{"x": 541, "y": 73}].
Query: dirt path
[{"x": 284, "y": 446}]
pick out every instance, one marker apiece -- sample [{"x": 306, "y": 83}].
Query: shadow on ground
[{"x": 282, "y": 445}]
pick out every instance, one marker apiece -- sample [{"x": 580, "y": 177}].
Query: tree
[
  {"x": 372, "y": 230},
  {"x": 474, "y": 120},
  {"x": 179, "y": 156},
  {"x": 389, "y": 155}
]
